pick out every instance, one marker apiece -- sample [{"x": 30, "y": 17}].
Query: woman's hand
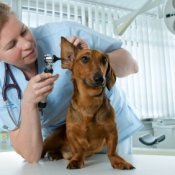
[
  {"x": 78, "y": 42},
  {"x": 39, "y": 87}
]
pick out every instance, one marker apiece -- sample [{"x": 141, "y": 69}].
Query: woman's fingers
[
  {"x": 44, "y": 85},
  {"x": 42, "y": 93},
  {"x": 78, "y": 42},
  {"x": 39, "y": 87},
  {"x": 71, "y": 39},
  {"x": 43, "y": 76},
  {"x": 45, "y": 81},
  {"x": 43, "y": 90}
]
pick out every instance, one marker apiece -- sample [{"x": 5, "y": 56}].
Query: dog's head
[{"x": 92, "y": 67}]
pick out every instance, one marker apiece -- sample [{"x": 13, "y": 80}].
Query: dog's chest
[
  {"x": 92, "y": 136},
  {"x": 92, "y": 130}
]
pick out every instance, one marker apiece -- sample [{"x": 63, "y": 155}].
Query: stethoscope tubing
[{"x": 6, "y": 87}]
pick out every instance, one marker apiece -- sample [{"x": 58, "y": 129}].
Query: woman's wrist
[{"x": 27, "y": 104}]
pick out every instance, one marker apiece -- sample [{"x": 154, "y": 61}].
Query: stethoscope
[{"x": 6, "y": 86}]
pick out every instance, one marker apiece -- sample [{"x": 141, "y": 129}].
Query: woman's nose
[{"x": 25, "y": 44}]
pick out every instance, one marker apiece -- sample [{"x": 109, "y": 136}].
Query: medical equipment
[
  {"x": 120, "y": 25},
  {"x": 7, "y": 85},
  {"x": 49, "y": 60},
  {"x": 169, "y": 15},
  {"x": 151, "y": 140}
]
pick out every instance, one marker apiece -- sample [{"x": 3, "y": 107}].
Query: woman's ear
[{"x": 68, "y": 53}]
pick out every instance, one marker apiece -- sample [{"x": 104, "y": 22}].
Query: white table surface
[{"x": 12, "y": 164}]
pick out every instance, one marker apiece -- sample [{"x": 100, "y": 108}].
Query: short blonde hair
[{"x": 5, "y": 12}]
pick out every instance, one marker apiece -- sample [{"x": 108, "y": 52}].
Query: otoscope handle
[
  {"x": 49, "y": 60},
  {"x": 43, "y": 103},
  {"x": 48, "y": 71}
]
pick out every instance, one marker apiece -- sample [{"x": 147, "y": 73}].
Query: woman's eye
[
  {"x": 24, "y": 32},
  {"x": 12, "y": 45},
  {"x": 85, "y": 59}
]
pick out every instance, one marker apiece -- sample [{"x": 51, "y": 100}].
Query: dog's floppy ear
[
  {"x": 68, "y": 53},
  {"x": 110, "y": 77}
]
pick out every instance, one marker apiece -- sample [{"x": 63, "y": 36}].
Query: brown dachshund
[{"x": 90, "y": 120}]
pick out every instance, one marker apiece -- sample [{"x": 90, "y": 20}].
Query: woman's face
[{"x": 17, "y": 44}]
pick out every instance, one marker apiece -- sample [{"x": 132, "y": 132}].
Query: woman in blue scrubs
[{"x": 22, "y": 58}]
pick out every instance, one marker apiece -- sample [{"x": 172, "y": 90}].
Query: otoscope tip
[{"x": 56, "y": 58}]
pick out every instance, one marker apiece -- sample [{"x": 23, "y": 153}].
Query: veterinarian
[{"x": 23, "y": 84}]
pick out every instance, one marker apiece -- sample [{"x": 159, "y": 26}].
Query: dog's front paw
[
  {"x": 123, "y": 165},
  {"x": 75, "y": 164},
  {"x": 120, "y": 163}
]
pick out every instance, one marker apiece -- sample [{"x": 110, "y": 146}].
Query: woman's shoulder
[{"x": 52, "y": 28}]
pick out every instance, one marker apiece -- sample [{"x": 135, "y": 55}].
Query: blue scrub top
[{"x": 48, "y": 42}]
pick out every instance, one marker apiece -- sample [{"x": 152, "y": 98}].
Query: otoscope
[{"x": 49, "y": 60}]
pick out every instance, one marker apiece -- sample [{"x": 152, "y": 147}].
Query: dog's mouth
[{"x": 95, "y": 84}]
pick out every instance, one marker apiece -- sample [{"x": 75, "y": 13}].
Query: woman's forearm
[
  {"x": 123, "y": 63},
  {"x": 27, "y": 140}
]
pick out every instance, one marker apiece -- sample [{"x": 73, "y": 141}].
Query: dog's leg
[
  {"x": 51, "y": 150},
  {"x": 53, "y": 143},
  {"x": 77, "y": 160},
  {"x": 115, "y": 159}
]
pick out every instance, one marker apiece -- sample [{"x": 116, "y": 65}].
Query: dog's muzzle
[{"x": 99, "y": 80}]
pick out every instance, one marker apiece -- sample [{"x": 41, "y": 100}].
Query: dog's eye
[
  {"x": 104, "y": 60},
  {"x": 85, "y": 59}
]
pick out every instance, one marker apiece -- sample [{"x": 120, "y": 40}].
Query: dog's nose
[{"x": 98, "y": 78}]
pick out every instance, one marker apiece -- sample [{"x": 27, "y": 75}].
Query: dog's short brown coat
[{"x": 90, "y": 120}]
